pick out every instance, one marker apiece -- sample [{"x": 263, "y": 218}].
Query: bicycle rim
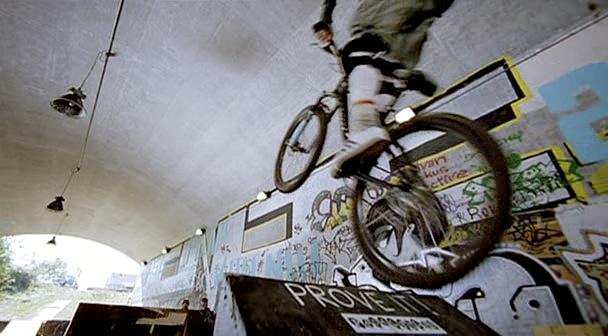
[
  {"x": 441, "y": 210},
  {"x": 300, "y": 149}
]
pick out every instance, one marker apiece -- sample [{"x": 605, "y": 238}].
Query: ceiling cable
[{"x": 109, "y": 53}]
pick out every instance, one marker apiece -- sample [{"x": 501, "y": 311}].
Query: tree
[
  {"x": 5, "y": 265},
  {"x": 50, "y": 271},
  {"x": 20, "y": 280}
]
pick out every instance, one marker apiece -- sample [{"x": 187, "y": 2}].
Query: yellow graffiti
[
  {"x": 599, "y": 180},
  {"x": 339, "y": 212},
  {"x": 536, "y": 233},
  {"x": 459, "y": 235}
]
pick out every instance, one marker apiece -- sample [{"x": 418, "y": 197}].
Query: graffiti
[
  {"x": 450, "y": 204},
  {"x": 461, "y": 234},
  {"x": 597, "y": 270},
  {"x": 479, "y": 192},
  {"x": 510, "y": 291},
  {"x": 575, "y": 100},
  {"x": 341, "y": 244},
  {"x": 310, "y": 272},
  {"x": 471, "y": 296},
  {"x": 591, "y": 264},
  {"x": 535, "y": 184},
  {"x": 535, "y": 181},
  {"x": 537, "y": 233},
  {"x": 329, "y": 211},
  {"x": 225, "y": 248},
  {"x": 297, "y": 229},
  {"x": 599, "y": 180},
  {"x": 504, "y": 142},
  {"x": 601, "y": 128},
  {"x": 260, "y": 264},
  {"x": 437, "y": 173}
]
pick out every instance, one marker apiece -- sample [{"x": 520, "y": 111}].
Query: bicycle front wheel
[
  {"x": 443, "y": 205},
  {"x": 300, "y": 149}
]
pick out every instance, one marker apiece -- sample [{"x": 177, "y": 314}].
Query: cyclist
[{"x": 386, "y": 41}]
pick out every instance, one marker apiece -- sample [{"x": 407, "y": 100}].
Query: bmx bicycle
[{"x": 412, "y": 227}]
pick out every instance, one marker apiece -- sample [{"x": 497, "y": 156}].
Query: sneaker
[{"x": 358, "y": 148}]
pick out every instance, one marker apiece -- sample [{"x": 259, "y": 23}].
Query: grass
[{"x": 26, "y": 305}]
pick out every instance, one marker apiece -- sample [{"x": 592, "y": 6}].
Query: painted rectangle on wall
[
  {"x": 170, "y": 268},
  {"x": 268, "y": 229},
  {"x": 484, "y": 91},
  {"x": 536, "y": 181},
  {"x": 488, "y": 95}
]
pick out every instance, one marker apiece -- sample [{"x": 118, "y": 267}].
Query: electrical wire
[
  {"x": 97, "y": 58},
  {"x": 107, "y": 54}
]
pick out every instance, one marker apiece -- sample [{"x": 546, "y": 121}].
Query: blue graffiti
[{"x": 579, "y": 100}]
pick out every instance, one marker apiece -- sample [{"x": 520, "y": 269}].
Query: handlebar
[{"x": 332, "y": 49}]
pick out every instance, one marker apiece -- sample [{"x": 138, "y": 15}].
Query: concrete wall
[
  {"x": 168, "y": 279},
  {"x": 548, "y": 269}
]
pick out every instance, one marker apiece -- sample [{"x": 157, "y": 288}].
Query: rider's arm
[{"x": 328, "y": 9}]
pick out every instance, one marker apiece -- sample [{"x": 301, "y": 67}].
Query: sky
[{"x": 93, "y": 261}]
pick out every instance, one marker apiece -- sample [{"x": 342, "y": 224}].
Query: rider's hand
[{"x": 323, "y": 32}]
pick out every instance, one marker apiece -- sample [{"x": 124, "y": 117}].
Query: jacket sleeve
[
  {"x": 327, "y": 11},
  {"x": 442, "y": 6}
]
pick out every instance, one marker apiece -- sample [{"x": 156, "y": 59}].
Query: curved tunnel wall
[{"x": 546, "y": 270}]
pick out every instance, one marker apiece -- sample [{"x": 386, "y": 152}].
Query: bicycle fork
[{"x": 294, "y": 142}]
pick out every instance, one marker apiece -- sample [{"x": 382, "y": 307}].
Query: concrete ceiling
[{"x": 193, "y": 107}]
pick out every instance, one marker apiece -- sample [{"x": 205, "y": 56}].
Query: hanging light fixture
[
  {"x": 52, "y": 241},
  {"x": 71, "y": 104},
  {"x": 166, "y": 250},
  {"x": 199, "y": 232},
  {"x": 57, "y": 204}
]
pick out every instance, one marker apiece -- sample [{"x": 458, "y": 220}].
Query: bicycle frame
[{"x": 340, "y": 95}]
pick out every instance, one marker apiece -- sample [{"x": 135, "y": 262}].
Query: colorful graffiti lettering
[
  {"x": 597, "y": 270},
  {"x": 536, "y": 232},
  {"x": 591, "y": 264},
  {"x": 535, "y": 181},
  {"x": 576, "y": 100},
  {"x": 461, "y": 234},
  {"x": 479, "y": 192},
  {"x": 538, "y": 183},
  {"x": 329, "y": 211}
]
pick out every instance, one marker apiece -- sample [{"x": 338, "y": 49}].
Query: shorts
[{"x": 401, "y": 24}]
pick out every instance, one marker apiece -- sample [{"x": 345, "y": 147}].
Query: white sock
[{"x": 364, "y": 84}]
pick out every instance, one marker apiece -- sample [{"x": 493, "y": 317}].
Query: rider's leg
[
  {"x": 367, "y": 137},
  {"x": 364, "y": 84}
]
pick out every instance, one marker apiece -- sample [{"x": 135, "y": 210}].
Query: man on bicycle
[{"x": 386, "y": 41}]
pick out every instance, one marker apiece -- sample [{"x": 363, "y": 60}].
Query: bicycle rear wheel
[
  {"x": 439, "y": 211},
  {"x": 300, "y": 149}
]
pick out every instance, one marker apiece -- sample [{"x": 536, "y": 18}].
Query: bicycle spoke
[
  {"x": 429, "y": 219},
  {"x": 297, "y": 154}
]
